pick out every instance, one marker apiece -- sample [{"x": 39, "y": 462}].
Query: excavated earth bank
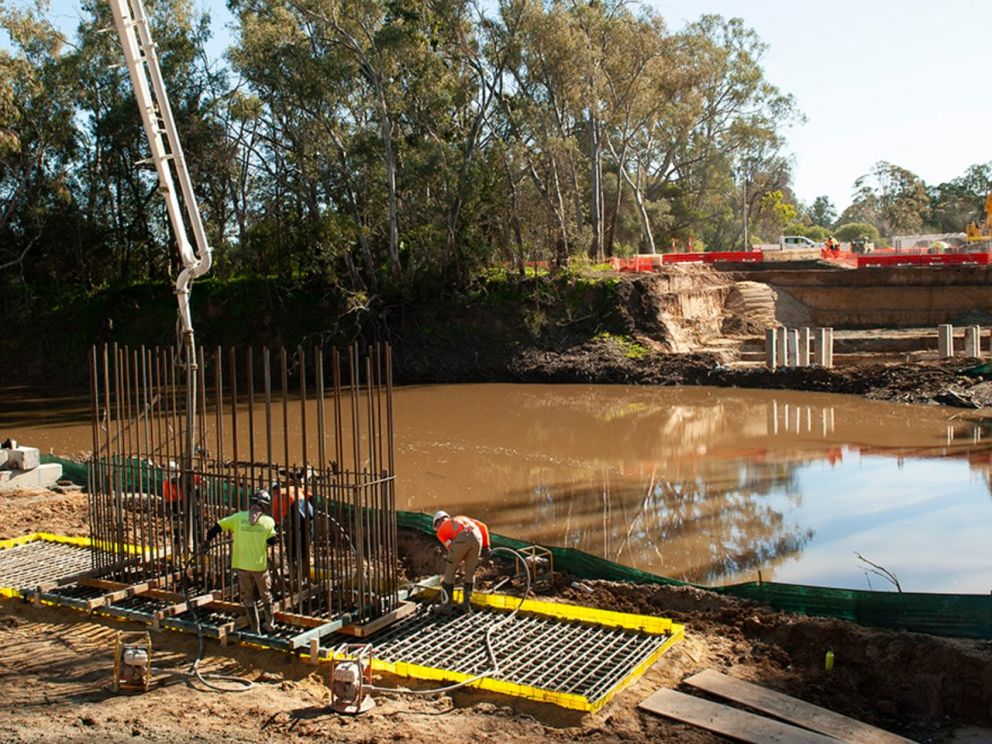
[{"x": 693, "y": 325}]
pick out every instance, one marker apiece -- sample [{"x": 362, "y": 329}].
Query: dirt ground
[{"x": 55, "y": 669}]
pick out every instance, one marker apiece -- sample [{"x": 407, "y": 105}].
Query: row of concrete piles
[
  {"x": 972, "y": 341},
  {"x": 799, "y": 347}
]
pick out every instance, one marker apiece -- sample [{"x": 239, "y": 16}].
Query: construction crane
[{"x": 167, "y": 157}]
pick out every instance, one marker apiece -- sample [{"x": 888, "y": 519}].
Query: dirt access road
[{"x": 55, "y": 672}]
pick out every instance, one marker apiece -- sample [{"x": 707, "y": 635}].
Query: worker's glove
[{"x": 486, "y": 554}]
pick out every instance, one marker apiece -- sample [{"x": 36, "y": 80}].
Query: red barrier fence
[
  {"x": 650, "y": 262},
  {"x": 925, "y": 259}
]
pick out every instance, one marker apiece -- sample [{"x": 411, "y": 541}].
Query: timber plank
[
  {"x": 284, "y": 618},
  {"x": 792, "y": 710},
  {"x": 363, "y": 631},
  {"x": 731, "y": 722}
]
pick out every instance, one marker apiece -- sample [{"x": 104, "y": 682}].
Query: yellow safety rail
[
  {"x": 589, "y": 615},
  {"x": 567, "y": 612},
  {"x": 80, "y": 542}
]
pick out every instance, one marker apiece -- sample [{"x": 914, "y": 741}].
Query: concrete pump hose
[
  {"x": 243, "y": 684},
  {"x": 494, "y": 663}
]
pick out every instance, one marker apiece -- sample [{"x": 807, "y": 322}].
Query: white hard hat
[{"x": 438, "y": 516}]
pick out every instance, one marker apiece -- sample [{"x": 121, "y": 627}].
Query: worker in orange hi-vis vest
[{"x": 466, "y": 540}]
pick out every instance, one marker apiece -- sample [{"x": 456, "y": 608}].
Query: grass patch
[{"x": 623, "y": 344}]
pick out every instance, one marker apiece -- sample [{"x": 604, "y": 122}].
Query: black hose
[{"x": 489, "y": 645}]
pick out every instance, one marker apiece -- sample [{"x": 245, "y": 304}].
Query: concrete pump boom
[
  {"x": 167, "y": 154},
  {"x": 156, "y": 115}
]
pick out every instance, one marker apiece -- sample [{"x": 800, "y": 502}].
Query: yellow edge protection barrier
[
  {"x": 606, "y": 618},
  {"x": 22, "y": 540},
  {"x": 11, "y": 592},
  {"x": 82, "y": 542},
  {"x": 652, "y": 625}
]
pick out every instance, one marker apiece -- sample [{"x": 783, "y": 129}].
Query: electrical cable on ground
[
  {"x": 489, "y": 645},
  {"x": 194, "y": 670}
]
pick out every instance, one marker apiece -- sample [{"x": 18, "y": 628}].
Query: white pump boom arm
[{"x": 156, "y": 115}]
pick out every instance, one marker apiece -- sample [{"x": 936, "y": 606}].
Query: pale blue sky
[{"x": 899, "y": 80}]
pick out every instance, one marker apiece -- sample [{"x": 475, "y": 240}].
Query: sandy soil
[{"x": 55, "y": 667}]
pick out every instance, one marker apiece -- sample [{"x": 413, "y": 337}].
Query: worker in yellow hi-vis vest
[{"x": 252, "y": 532}]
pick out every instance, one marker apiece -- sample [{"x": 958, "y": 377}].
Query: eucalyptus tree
[
  {"x": 37, "y": 141},
  {"x": 890, "y": 197},
  {"x": 640, "y": 87},
  {"x": 738, "y": 118},
  {"x": 961, "y": 200},
  {"x": 822, "y": 212},
  {"x": 540, "y": 104}
]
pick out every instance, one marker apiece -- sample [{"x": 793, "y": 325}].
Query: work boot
[
  {"x": 466, "y": 605},
  {"x": 252, "y": 618},
  {"x": 268, "y": 625},
  {"x": 447, "y": 595}
]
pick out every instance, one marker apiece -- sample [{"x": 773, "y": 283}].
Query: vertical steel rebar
[{"x": 337, "y": 548}]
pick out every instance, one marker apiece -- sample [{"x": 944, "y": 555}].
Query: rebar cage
[{"x": 319, "y": 439}]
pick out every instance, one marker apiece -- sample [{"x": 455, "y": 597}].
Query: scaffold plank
[
  {"x": 736, "y": 724},
  {"x": 792, "y": 709}
]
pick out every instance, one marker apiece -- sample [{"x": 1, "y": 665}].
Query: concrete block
[
  {"x": 824, "y": 347},
  {"x": 43, "y": 476},
  {"x": 24, "y": 458},
  {"x": 49, "y": 474},
  {"x": 781, "y": 347},
  {"x": 972, "y": 341},
  {"x": 4, "y": 457},
  {"x": 793, "y": 347}
]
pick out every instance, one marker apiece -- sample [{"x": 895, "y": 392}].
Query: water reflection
[
  {"x": 709, "y": 528},
  {"x": 707, "y": 485}
]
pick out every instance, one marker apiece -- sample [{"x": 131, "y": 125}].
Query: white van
[{"x": 796, "y": 241}]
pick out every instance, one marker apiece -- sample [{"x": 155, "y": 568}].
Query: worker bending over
[
  {"x": 466, "y": 540},
  {"x": 251, "y": 532}
]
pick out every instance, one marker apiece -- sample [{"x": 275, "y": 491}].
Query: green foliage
[
  {"x": 778, "y": 211},
  {"x": 890, "y": 197},
  {"x": 625, "y": 345},
  {"x": 389, "y": 147},
  {"x": 852, "y": 230},
  {"x": 962, "y": 200},
  {"x": 816, "y": 233},
  {"x": 822, "y": 212}
]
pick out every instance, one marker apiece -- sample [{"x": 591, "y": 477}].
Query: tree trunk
[
  {"x": 639, "y": 196},
  {"x": 387, "y": 141},
  {"x": 597, "y": 189},
  {"x": 611, "y": 234}
]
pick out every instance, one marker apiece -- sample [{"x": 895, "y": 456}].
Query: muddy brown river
[{"x": 703, "y": 484}]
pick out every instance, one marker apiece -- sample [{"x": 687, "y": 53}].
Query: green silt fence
[{"x": 953, "y": 615}]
